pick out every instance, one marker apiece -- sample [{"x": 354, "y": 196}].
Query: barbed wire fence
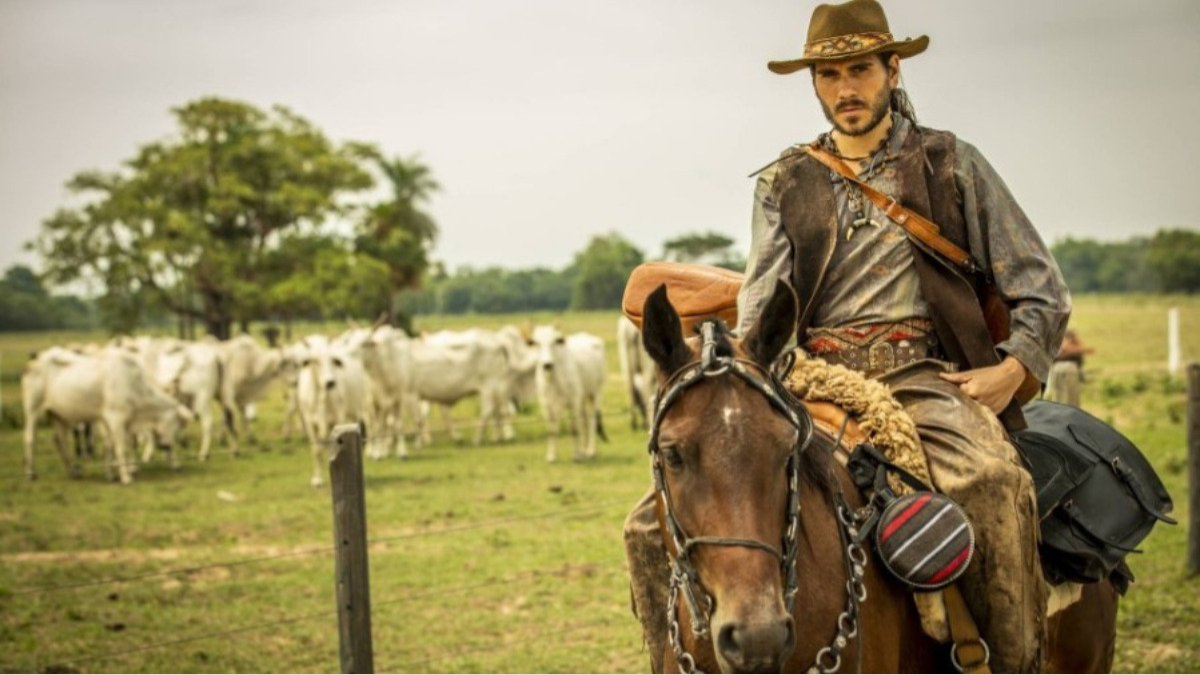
[
  {"x": 185, "y": 456},
  {"x": 614, "y": 565}
]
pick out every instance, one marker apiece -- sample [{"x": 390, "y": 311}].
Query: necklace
[{"x": 878, "y": 148}]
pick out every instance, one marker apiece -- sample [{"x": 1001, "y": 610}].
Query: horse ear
[
  {"x": 775, "y": 326},
  {"x": 662, "y": 333}
]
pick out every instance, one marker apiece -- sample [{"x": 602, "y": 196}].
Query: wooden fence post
[
  {"x": 1193, "y": 438},
  {"x": 1174, "y": 360},
  {"x": 350, "y": 542}
]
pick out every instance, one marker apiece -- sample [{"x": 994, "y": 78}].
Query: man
[
  {"x": 1066, "y": 375},
  {"x": 873, "y": 300}
]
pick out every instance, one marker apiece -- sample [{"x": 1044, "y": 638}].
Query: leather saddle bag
[{"x": 1097, "y": 495}]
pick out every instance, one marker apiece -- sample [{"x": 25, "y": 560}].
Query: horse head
[{"x": 726, "y": 446}]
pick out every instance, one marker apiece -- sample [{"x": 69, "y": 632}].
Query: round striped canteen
[{"x": 925, "y": 540}]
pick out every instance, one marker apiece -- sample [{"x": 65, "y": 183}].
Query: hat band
[{"x": 846, "y": 44}]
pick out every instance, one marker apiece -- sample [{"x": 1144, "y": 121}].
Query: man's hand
[{"x": 994, "y": 386}]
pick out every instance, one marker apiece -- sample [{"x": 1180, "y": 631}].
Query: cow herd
[{"x": 141, "y": 392}]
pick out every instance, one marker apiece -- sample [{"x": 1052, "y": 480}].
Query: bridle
[
  {"x": 684, "y": 577},
  {"x": 683, "y": 572}
]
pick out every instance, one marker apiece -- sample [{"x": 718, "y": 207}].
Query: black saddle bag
[{"x": 1097, "y": 495}]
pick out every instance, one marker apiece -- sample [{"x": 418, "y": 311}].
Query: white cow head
[{"x": 549, "y": 343}]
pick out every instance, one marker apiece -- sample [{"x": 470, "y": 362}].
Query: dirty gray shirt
[{"x": 872, "y": 278}]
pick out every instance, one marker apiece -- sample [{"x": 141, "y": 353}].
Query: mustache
[{"x": 852, "y": 103}]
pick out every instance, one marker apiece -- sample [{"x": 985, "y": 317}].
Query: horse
[{"x": 758, "y": 520}]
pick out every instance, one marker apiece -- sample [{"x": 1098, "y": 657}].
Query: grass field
[{"x": 483, "y": 559}]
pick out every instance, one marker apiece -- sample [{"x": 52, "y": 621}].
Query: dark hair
[{"x": 900, "y": 102}]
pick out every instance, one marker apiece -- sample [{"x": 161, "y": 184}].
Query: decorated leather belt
[{"x": 882, "y": 356}]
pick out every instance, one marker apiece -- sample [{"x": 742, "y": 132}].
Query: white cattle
[
  {"x": 449, "y": 366},
  {"x": 639, "y": 374},
  {"x": 247, "y": 371},
  {"x": 381, "y": 351},
  {"x": 331, "y": 389},
  {"x": 570, "y": 377},
  {"x": 191, "y": 372},
  {"x": 109, "y": 387},
  {"x": 522, "y": 364}
]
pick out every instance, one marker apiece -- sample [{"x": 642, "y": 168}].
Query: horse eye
[{"x": 672, "y": 458}]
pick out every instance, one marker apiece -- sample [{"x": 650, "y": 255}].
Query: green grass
[{"x": 485, "y": 559}]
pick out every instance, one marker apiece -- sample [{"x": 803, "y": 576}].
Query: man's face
[{"x": 855, "y": 93}]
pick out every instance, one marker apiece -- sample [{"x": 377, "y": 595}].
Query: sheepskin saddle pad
[{"x": 853, "y": 409}]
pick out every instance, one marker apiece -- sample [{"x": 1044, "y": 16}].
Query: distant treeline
[
  {"x": 594, "y": 280},
  {"x": 26, "y": 305},
  {"x": 1167, "y": 262}
]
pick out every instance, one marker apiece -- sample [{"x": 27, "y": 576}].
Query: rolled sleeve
[
  {"x": 770, "y": 253},
  {"x": 1028, "y": 279}
]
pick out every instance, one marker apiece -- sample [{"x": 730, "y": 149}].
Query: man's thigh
[{"x": 964, "y": 441}]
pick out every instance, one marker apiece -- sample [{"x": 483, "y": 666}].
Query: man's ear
[
  {"x": 662, "y": 333},
  {"x": 893, "y": 68},
  {"x": 770, "y": 334}
]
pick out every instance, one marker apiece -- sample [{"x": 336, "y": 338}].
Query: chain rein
[{"x": 683, "y": 574}]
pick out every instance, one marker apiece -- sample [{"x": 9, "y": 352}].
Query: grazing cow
[
  {"x": 247, "y": 370},
  {"x": 380, "y": 350},
  {"x": 109, "y": 387},
  {"x": 191, "y": 372},
  {"x": 570, "y": 376},
  {"x": 331, "y": 389},
  {"x": 449, "y": 366},
  {"x": 639, "y": 374}
]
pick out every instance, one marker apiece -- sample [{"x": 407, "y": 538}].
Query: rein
[{"x": 684, "y": 576}]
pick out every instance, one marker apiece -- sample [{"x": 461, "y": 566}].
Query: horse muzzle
[{"x": 764, "y": 647}]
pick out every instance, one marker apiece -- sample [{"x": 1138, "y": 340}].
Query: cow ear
[
  {"x": 770, "y": 334},
  {"x": 662, "y": 333}
]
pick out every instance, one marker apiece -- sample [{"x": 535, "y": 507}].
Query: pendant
[{"x": 860, "y": 222}]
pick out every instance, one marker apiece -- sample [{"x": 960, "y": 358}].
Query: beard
[{"x": 877, "y": 110}]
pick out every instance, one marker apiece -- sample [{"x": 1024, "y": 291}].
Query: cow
[
  {"x": 570, "y": 377},
  {"x": 639, "y": 374},
  {"x": 383, "y": 355},
  {"x": 449, "y": 366},
  {"x": 109, "y": 387},
  {"x": 247, "y": 370},
  {"x": 522, "y": 364},
  {"x": 331, "y": 389},
  {"x": 191, "y": 372}
]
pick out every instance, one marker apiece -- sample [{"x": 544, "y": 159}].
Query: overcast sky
[{"x": 550, "y": 121}]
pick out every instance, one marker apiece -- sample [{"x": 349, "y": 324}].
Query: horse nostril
[
  {"x": 757, "y": 647},
  {"x": 728, "y": 645},
  {"x": 330, "y": 384},
  {"x": 548, "y": 366}
]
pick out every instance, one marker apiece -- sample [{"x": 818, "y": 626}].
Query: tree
[
  {"x": 188, "y": 222},
  {"x": 25, "y": 304},
  {"x": 602, "y": 270},
  {"x": 1174, "y": 255},
  {"x": 397, "y": 231},
  {"x": 697, "y": 247}
]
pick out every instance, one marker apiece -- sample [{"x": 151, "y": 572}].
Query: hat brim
[{"x": 910, "y": 47}]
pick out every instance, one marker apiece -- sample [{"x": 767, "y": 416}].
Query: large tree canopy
[
  {"x": 225, "y": 220},
  {"x": 602, "y": 270}
]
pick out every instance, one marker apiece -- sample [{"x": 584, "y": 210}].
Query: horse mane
[{"x": 817, "y": 467}]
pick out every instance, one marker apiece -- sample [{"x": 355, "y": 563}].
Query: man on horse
[{"x": 881, "y": 300}]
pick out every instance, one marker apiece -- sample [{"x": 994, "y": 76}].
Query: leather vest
[{"x": 925, "y": 172}]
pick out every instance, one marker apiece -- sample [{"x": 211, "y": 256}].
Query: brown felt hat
[{"x": 851, "y": 29}]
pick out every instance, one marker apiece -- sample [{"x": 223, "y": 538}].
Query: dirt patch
[{"x": 1162, "y": 652}]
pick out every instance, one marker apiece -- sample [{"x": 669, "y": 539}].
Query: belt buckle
[{"x": 881, "y": 356}]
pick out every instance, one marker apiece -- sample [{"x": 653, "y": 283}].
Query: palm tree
[{"x": 398, "y": 231}]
